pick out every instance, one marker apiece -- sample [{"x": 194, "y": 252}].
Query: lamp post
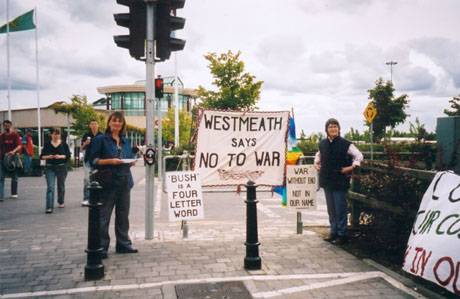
[{"x": 391, "y": 63}]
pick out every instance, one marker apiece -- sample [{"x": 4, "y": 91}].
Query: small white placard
[
  {"x": 301, "y": 184},
  {"x": 185, "y": 199},
  {"x": 127, "y": 161}
]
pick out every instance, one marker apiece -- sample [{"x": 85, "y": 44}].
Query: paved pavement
[{"x": 43, "y": 255}]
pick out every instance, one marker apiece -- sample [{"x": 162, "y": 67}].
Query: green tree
[
  {"x": 185, "y": 123},
  {"x": 81, "y": 111},
  {"x": 390, "y": 110},
  {"x": 302, "y": 135},
  {"x": 418, "y": 130},
  {"x": 236, "y": 89},
  {"x": 454, "y": 107},
  {"x": 353, "y": 135}
]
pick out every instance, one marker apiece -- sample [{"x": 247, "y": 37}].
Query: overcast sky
[{"x": 318, "y": 56}]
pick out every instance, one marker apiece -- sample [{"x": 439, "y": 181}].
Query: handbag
[{"x": 12, "y": 162}]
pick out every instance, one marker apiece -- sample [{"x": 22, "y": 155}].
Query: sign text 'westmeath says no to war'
[{"x": 241, "y": 142}]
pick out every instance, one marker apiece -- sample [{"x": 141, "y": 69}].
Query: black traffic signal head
[
  {"x": 135, "y": 20},
  {"x": 159, "y": 88},
  {"x": 165, "y": 25}
]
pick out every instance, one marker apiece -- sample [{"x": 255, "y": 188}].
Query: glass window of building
[
  {"x": 133, "y": 103},
  {"x": 116, "y": 101}
]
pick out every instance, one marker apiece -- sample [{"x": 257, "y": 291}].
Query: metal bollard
[
  {"x": 299, "y": 223},
  {"x": 252, "y": 261},
  {"x": 185, "y": 166},
  {"x": 94, "y": 268},
  {"x": 184, "y": 229}
]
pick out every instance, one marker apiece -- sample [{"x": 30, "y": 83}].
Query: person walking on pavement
[
  {"x": 86, "y": 146},
  {"x": 335, "y": 161},
  {"x": 106, "y": 155},
  {"x": 28, "y": 151},
  {"x": 10, "y": 147},
  {"x": 56, "y": 153}
]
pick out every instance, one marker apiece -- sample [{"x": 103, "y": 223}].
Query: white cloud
[
  {"x": 319, "y": 57},
  {"x": 443, "y": 52},
  {"x": 339, "y": 6}
]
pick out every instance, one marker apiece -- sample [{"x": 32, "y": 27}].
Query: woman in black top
[{"x": 56, "y": 153}]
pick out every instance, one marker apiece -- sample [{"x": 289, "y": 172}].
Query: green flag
[{"x": 23, "y": 22}]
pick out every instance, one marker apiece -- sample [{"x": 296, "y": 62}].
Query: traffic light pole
[
  {"x": 150, "y": 102},
  {"x": 160, "y": 141}
]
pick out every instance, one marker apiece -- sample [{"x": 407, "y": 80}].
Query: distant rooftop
[
  {"x": 169, "y": 81},
  {"x": 139, "y": 86}
]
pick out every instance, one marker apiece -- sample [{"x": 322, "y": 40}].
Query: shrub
[{"x": 386, "y": 233}]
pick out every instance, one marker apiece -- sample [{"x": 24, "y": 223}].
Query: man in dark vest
[{"x": 335, "y": 161}]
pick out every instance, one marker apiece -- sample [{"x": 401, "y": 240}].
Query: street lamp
[{"x": 391, "y": 63}]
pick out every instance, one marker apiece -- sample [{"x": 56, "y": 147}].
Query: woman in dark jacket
[
  {"x": 109, "y": 155},
  {"x": 335, "y": 161},
  {"x": 56, "y": 153}
]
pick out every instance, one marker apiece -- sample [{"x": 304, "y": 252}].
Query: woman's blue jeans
[
  {"x": 337, "y": 209},
  {"x": 55, "y": 173},
  {"x": 27, "y": 163}
]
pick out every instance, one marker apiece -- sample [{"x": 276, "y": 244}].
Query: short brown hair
[
  {"x": 55, "y": 130},
  {"x": 332, "y": 121}
]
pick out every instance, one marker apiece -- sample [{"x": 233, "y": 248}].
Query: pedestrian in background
[
  {"x": 335, "y": 161},
  {"x": 10, "y": 148},
  {"x": 106, "y": 155},
  {"x": 56, "y": 153},
  {"x": 28, "y": 151},
  {"x": 93, "y": 131}
]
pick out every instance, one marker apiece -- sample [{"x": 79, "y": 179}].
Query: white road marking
[
  {"x": 266, "y": 211},
  {"x": 340, "y": 281},
  {"x": 271, "y": 199},
  {"x": 340, "y": 278},
  {"x": 10, "y": 231}
]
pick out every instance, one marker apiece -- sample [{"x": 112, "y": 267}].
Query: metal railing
[
  {"x": 184, "y": 163},
  {"x": 358, "y": 200}
]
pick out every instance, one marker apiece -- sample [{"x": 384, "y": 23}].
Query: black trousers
[
  {"x": 14, "y": 180},
  {"x": 117, "y": 197}
]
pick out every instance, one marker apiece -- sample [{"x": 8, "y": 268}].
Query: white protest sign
[
  {"x": 185, "y": 199},
  {"x": 301, "y": 186},
  {"x": 433, "y": 250},
  {"x": 235, "y": 147}
]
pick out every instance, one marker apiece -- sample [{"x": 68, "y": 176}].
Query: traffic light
[
  {"x": 135, "y": 20},
  {"x": 159, "y": 88},
  {"x": 165, "y": 25}
]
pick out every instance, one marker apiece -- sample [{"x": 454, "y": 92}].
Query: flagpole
[
  {"x": 37, "y": 83},
  {"x": 8, "y": 58}
]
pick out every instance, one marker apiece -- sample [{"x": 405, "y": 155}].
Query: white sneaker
[
  {"x": 85, "y": 203},
  {"x": 14, "y": 196}
]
